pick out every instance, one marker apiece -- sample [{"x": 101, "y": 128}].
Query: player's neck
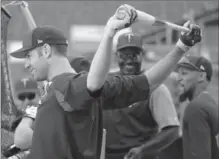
[
  {"x": 59, "y": 66},
  {"x": 199, "y": 90}
]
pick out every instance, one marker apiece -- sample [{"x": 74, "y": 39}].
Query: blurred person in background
[
  {"x": 200, "y": 119},
  {"x": 28, "y": 94},
  {"x": 174, "y": 151},
  {"x": 152, "y": 123},
  {"x": 80, "y": 64}
]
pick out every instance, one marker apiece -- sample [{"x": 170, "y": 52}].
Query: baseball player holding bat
[
  {"x": 101, "y": 63},
  {"x": 152, "y": 122}
]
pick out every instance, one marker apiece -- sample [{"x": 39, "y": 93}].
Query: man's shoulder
[
  {"x": 203, "y": 101},
  {"x": 70, "y": 91},
  {"x": 66, "y": 78},
  {"x": 198, "y": 106}
]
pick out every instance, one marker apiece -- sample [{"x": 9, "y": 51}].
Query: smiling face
[
  {"x": 129, "y": 60},
  {"x": 188, "y": 81},
  {"x": 37, "y": 63}
]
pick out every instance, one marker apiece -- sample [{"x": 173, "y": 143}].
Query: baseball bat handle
[
  {"x": 177, "y": 27},
  {"x": 151, "y": 20},
  {"x": 103, "y": 147},
  {"x": 28, "y": 16}
]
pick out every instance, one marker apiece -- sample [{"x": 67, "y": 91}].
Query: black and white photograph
[{"x": 109, "y": 79}]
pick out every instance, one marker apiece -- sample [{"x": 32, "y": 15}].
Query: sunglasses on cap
[{"x": 29, "y": 96}]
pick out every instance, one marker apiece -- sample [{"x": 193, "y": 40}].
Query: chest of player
[
  {"x": 136, "y": 113},
  {"x": 52, "y": 121}
]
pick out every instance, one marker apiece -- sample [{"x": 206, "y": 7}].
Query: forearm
[
  {"x": 162, "y": 140},
  {"x": 162, "y": 69},
  {"x": 24, "y": 133},
  {"x": 101, "y": 62},
  {"x": 23, "y": 137}
]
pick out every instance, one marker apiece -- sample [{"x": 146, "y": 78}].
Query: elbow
[
  {"x": 174, "y": 133},
  {"x": 171, "y": 134},
  {"x": 94, "y": 84},
  {"x": 93, "y": 87}
]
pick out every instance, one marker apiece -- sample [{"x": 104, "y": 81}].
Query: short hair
[{"x": 61, "y": 49}]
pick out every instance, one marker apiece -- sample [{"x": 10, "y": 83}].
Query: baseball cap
[
  {"x": 129, "y": 40},
  {"x": 38, "y": 37},
  {"x": 197, "y": 63},
  {"x": 26, "y": 85},
  {"x": 80, "y": 64}
]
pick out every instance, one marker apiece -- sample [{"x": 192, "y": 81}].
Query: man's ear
[
  {"x": 46, "y": 50},
  {"x": 202, "y": 76}
]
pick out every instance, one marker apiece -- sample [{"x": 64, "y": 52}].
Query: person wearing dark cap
[
  {"x": 69, "y": 119},
  {"x": 80, "y": 64},
  {"x": 152, "y": 123},
  {"x": 200, "y": 120},
  {"x": 27, "y": 92}
]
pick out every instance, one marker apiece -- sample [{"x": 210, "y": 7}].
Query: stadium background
[{"x": 93, "y": 15}]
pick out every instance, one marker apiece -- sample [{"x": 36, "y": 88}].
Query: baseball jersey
[
  {"x": 200, "y": 127},
  {"x": 133, "y": 126},
  {"x": 69, "y": 119}
]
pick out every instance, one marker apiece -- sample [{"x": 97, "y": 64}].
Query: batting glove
[
  {"x": 31, "y": 112},
  {"x": 187, "y": 40}
]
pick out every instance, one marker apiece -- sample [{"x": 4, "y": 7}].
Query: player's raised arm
[
  {"x": 161, "y": 70},
  {"x": 102, "y": 59}
]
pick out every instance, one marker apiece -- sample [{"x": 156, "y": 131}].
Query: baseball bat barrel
[{"x": 28, "y": 16}]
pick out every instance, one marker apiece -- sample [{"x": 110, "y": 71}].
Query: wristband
[
  {"x": 28, "y": 116},
  {"x": 182, "y": 46}
]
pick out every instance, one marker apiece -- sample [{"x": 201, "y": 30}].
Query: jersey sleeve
[{"x": 162, "y": 108}]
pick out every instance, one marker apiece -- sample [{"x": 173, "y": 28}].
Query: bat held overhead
[{"x": 150, "y": 19}]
